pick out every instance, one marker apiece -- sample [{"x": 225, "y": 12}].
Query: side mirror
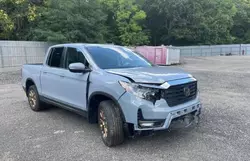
[{"x": 77, "y": 68}]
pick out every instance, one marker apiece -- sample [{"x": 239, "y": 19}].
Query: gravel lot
[{"x": 56, "y": 134}]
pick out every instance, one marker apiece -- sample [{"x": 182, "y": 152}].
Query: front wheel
[{"x": 111, "y": 124}]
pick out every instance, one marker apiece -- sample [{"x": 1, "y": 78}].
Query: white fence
[
  {"x": 214, "y": 50},
  {"x": 17, "y": 53}
]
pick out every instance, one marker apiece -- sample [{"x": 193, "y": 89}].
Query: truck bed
[{"x": 33, "y": 72}]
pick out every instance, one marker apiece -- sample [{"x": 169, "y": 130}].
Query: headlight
[{"x": 150, "y": 94}]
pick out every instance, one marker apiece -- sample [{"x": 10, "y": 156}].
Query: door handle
[
  {"x": 45, "y": 72},
  {"x": 62, "y": 76}
]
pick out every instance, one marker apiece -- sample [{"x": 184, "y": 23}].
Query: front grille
[{"x": 177, "y": 94}]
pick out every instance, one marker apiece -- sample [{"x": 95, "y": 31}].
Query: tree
[
  {"x": 125, "y": 22},
  {"x": 241, "y": 27},
  {"x": 188, "y": 22},
  {"x": 6, "y": 25},
  {"x": 70, "y": 21},
  {"x": 16, "y": 16}
]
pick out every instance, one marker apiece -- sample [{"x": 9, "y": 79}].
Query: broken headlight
[{"x": 147, "y": 93}]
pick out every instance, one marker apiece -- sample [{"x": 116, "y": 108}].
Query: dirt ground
[{"x": 56, "y": 134}]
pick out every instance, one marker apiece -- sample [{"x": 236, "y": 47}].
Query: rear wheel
[
  {"x": 33, "y": 98},
  {"x": 111, "y": 124}
]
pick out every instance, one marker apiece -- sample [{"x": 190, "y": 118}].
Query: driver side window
[{"x": 74, "y": 55}]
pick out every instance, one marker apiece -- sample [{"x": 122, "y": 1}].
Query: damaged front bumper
[
  {"x": 180, "y": 118},
  {"x": 145, "y": 115}
]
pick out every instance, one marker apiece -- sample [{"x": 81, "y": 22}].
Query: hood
[{"x": 151, "y": 74}]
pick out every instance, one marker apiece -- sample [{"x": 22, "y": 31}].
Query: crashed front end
[{"x": 161, "y": 106}]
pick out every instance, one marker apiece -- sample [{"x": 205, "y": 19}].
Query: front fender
[{"x": 103, "y": 82}]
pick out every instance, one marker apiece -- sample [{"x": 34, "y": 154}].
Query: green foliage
[
  {"x": 6, "y": 24},
  {"x": 19, "y": 15},
  {"x": 70, "y": 21},
  {"x": 186, "y": 22},
  {"x": 126, "y": 17},
  {"x": 241, "y": 27},
  {"x": 127, "y": 22}
]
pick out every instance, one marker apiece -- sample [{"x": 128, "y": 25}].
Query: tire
[
  {"x": 110, "y": 123},
  {"x": 34, "y": 100}
]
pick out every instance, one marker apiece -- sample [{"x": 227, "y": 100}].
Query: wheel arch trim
[
  {"x": 28, "y": 79},
  {"x": 108, "y": 96}
]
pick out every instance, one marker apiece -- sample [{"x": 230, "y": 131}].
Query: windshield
[{"x": 116, "y": 57}]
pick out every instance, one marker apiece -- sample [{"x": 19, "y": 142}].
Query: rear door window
[{"x": 56, "y": 58}]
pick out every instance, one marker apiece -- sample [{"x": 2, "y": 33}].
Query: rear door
[
  {"x": 52, "y": 74},
  {"x": 74, "y": 85}
]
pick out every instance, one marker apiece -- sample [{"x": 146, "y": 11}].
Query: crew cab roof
[{"x": 83, "y": 45}]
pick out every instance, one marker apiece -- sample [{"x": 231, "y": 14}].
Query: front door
[{"x": 74, "y": 85}]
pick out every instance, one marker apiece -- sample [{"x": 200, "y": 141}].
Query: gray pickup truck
[{"x": 112, "y": 86}]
